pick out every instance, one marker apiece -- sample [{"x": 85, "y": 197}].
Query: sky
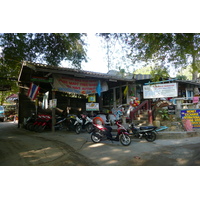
[
  {"x": 96, "y": 54},
  {"x": 97, "y": 57}
]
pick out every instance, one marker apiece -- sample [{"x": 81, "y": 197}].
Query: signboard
[
  {"x": 92, "y": 106},
  {"x": 92, "y": 98},
  {"x": 171, "y": 110},
  {"x": 193, "y": 115},
  {"x": 42, "y": 79},
  {"x": 74, "y": 85},
  {"x": 53, "y": 103},
  {"x": 160, "y": 90}
]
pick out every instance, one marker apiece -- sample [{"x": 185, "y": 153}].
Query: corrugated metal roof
[
  {"x": 65, "y": 70},
  {"x": 188, "y": 82},
  {"x": 142, "y": 76}
]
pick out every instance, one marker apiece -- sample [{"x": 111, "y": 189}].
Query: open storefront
[{"x": 70, "y": 90}]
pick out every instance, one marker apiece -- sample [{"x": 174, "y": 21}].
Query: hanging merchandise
[
  {"x": 45, "y": 100},
  {"x": 104, "y": 86}
]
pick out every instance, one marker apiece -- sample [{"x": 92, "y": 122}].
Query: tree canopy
[
  {"x": 46, "y": 48},
  {"x": 162, "y": 49}
]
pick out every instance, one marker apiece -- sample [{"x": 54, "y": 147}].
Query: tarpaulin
[{"x": 64, "y": 83}]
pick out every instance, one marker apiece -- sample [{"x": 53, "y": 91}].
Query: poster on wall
[
  {"x": 91, "y": 98},
  {"x": 53, "y": 103},
  {"x": 193, "y": 115},
  {"x": 92, "y": 106},
  {"x": 160, "y": 90}
]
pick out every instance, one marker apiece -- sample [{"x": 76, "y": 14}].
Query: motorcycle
[
  {"x": 30, "y": 120},
  {"x": 38, "y": 121},
  {"x": 74, "y": 123},
  {"x": 87, "y": 123},
  {"x": 48, "y": 124},
  {"x": 100, "y": 133},
  {"x": 148, "y": 132}
]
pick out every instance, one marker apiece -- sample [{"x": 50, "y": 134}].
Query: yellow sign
[{"x": 92, "y": 98}]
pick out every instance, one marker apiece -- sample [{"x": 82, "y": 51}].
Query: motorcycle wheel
[
  {"x": 28, "y": 126},
  {"x": 36, "y": 127},
  {"x": 89, "y": 128},
  {"x": 41, "y": 128},
  {"x": 32, "y": 127},
  {"x": 150, "y": 137},
  {"x": 78, "y": 129},
  {"x": 95, "y": 137},
  {"x": 125, "y": 139}
]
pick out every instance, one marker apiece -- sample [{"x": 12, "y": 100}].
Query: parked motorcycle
[
  {"x": 38, "y": 121},
  {"x": 30, "y": 120},
  {"x": 87, "y": 123},
  {"x": 74, "y": 123},
  {"x": 100, "y": 133},
  {"x": 48, "y": 124},
  {"x": 148, "y": 132}
]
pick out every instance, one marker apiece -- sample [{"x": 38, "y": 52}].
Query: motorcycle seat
[{"x": 146, "y": 127}]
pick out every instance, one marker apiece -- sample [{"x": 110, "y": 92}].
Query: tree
[
  {"x": 185, "y": 73},
  {"x": 46, "y": 48},
  {"x": 115, "y": 51},
  {"x": 143, "y": 70},
  {"x": 162, "y": 49}
]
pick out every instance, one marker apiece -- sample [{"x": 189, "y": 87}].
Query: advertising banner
[
  {"x": 160, "y": 91},
  {"x": 92, "y": 106},
  {"x": 64, "y": 83},
  {"x": 193, "y": 115}
]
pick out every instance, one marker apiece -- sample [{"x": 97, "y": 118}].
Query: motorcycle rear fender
[
  {"x": 123, "y": 132},
  {"x": 43, "y": 124}
]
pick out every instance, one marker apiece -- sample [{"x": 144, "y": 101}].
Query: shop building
[{"x": 72, "y": 89}]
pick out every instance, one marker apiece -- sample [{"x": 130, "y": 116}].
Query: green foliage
[
  {"x": 143, "y": 70},
  {"x": 185, "y": 73},
  {"x": 181, "y": 77},
  {"x": 46, "y": 48},
  {"x": 164, "y": 114},
  {"x": 178, "y": 49},
  {"x": 159, "y": 73}
]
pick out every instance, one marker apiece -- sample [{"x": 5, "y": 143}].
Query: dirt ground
[{"x": 20, "y": 147}]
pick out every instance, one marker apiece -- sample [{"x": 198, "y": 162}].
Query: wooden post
[
  {"x": 120, "y": 95},
  {"x": 53, "y": 112},
  {"x": 150, "y": 116},
  {"x": 114, "y": 98}
]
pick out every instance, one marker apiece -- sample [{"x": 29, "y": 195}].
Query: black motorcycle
[
  {"x": 74, "y": 123},
  {"x": 148, "y": 132}
]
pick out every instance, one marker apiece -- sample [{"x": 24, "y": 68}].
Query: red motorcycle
[{"x": 100, "y": 133}]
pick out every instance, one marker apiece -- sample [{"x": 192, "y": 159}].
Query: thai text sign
[
  {"x": 193, "y": 115},
  {"x": 160, "y": 90},
  {"x": 74, "y": 85},
  {"x": 92, "y": 106}
]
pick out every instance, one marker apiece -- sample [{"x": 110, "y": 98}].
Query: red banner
[{"x": 74, "y": 85}]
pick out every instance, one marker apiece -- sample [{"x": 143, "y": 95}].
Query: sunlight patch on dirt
[{"x": 96, "y": 145}]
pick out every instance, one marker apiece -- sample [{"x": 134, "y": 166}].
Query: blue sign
[{"x": 193, "y": 115}]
